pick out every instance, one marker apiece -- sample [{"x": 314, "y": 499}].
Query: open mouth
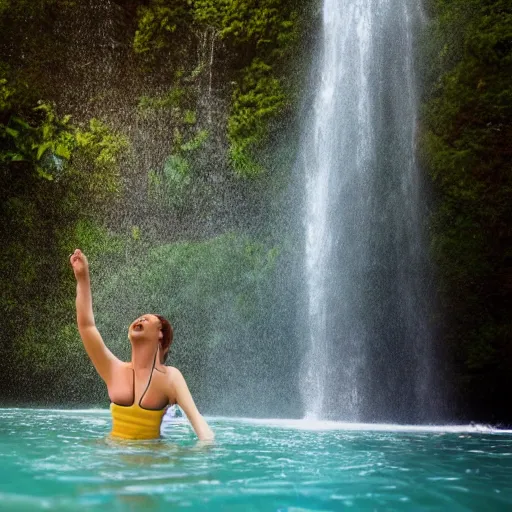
[{"x": 137, "y": 326}]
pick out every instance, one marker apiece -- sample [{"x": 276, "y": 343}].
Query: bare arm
[
  {"x": 101, "y": 357},
  {"x": 186, "y": 402}
]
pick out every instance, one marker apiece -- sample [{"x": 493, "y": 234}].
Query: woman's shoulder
[
  {"x": 173, "y": 382},
  {"x": 170, "y": 371},
  {"x": 175, "y": 377}
]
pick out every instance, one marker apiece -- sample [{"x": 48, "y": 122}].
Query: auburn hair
[{"x": 167, "y": 333}]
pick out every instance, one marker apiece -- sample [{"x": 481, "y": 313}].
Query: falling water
[{"x": 368, "y": 355}]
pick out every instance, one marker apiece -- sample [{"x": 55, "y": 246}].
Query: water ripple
[{"x": 64, "y": 460}]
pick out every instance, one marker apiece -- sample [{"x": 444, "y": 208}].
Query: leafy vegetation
[
  {"x": 258, "y": 99},
  {"x": 258, "y": 37},
  {"x": 131, "y": 167},
  {"x": 50, "y": 168},
  {"x": 466, "y": 145}
]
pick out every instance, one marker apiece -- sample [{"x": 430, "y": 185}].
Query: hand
[{"x": 80, "y": 264}]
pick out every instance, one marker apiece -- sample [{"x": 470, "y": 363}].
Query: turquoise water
[{"x": 63, "y": 460}]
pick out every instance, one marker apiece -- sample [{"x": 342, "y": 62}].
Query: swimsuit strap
[{"x": 149, "y": 382}]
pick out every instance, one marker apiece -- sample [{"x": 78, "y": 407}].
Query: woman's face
[{"x": 145, "y": 327}]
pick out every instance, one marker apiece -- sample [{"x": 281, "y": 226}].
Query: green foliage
[
  {"x": 50, "y": 144},
  {"x": 5, "y": 94},
  {"x": 51, "y": 137},
  {"x": 258, "y": 99},
  {"x": 256, "y": 33},
  {"x": 172, "y": 188},
  {"x": 266, "y": 24},
  {"x": 204, "y": 83},
  {"x": 98, "y": 152},
  {"x": 196, "y": 142},
  {"x": 171, "y": 101},
  {"x": 270, "y": 29},
  {"x": 189, "y": 117},
  {"x": 103, "y": 146},
  {"x": 95, "y": 240},
  {"x": 53, "y": 176},
  {"x": 466, "y": 146},
  {"x": 158, "y": 23}
]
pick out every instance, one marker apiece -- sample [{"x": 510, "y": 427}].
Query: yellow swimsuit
[{"x": 135, "y": 422}]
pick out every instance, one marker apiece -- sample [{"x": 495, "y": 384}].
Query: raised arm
[
  {"x": 101, "y": 357},
  {"x": 186, "y": 402}
]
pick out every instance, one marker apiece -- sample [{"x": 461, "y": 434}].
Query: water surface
[{"x": 63, "y": 460}]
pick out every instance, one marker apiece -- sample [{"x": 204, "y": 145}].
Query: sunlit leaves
[
  {"x": 157, "y": 23},
  {"x": 51, "y": 144},
  {"x": 102, "y": 144},
  {"x": 256, "y": 34},
  {"x": 262, "y": 23},
  {"x": 258, "y": 99},
  {"x": 5, "y": 94}
]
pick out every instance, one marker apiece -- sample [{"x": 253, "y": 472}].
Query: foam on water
[
  {"x": 306, "y": 424},
  {"x": 300, "y": 424}
]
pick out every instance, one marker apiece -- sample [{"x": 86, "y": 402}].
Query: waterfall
[{"x": 368, "y": 355}]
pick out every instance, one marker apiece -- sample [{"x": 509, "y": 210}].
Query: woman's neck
[{"x": 143, "y": 355}]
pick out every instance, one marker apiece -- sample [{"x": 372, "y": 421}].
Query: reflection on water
[{"x": 65, "y": 460}]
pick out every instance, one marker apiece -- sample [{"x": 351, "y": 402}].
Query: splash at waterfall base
[{"x": 64, "y": 460}]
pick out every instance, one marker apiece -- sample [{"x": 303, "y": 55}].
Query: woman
[{"x": 139, "y": 390}]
